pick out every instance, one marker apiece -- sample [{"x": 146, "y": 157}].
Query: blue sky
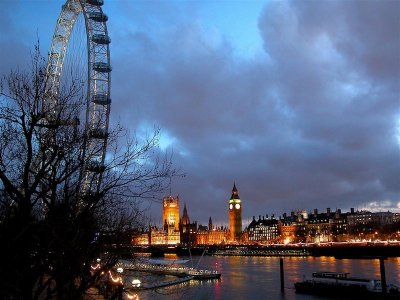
[{"x": 296, "y": 101}]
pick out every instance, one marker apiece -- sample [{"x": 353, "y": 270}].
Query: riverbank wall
[{"x": 342, "y": 250}]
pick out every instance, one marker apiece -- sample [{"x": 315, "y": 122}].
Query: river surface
[{"x": 259, "y": 277}]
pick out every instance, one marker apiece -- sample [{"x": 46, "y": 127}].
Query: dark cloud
[
  {"x": 338, "y": 67},
  {"x": 310, "y": 124},
  {"x": 310, "y": 121}
]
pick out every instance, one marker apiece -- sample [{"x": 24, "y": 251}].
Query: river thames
[{"x": 259, "y": 277}]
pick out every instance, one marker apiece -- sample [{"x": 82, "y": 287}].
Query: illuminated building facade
[
  {"x": 169, "y": 233},
  {"x": 287, "y": 232},
  {"x": 170, "y": 215},
  {"x": 140, "y": 238},
  {"x": 235, "y": 215},
  {"x": 366, "y": 217},
  {"x": 157, "y": 236},
  {"x": 338, "y": 227},
  {"x": 263, "y": 230},
  {"x": 212, "y": 235},
  {"x": 318, "y": 227},
  {"x": 292, "y": 229}
]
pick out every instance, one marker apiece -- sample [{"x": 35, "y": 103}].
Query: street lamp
[{"x": 136, "y": 283}]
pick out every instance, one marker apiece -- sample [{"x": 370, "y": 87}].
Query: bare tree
[{"x": 51, "y": 230}]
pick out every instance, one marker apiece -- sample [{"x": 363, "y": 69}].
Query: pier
[{"x": 174, "y": 270}]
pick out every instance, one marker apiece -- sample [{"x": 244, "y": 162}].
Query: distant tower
[
  {"x": 235, "y": 215},
  {"x": 185, "y": 217},
  {"x": 210, "y": 224},
  {"x": 187, "y": 230},
  {"x": 171, "y": 213}
]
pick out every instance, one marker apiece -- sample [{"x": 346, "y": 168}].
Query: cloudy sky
[{"x": 298, "y": 102}]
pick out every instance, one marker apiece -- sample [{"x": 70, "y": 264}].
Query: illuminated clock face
[
  {"x": 230, "y": 206},
  {"x": 237, "y": 205}
]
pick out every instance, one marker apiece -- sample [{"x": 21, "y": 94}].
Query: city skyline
[
  {"x": 289, "y": 228},
  {"x": 263, "y": 213},
  {"x": 295, "y": 101}
]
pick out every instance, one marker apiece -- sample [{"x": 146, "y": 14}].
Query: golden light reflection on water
[{"x": 171, "y": 256}]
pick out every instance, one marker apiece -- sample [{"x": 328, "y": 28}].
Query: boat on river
[{"x": 338, "y": 284}]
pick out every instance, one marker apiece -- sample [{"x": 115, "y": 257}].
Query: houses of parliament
[
  {"x": 179, "y": 230},
  {"x": 297, "y": 227}
]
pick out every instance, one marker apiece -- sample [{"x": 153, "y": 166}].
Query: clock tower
[{"x": 235, "y": 215}]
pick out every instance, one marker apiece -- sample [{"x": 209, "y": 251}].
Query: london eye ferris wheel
[{"x": 82, "y": 25}]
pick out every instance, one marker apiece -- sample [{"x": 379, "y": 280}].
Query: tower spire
[
  {"x": 235, "y": 193},
  {"x": 185, "y": 216}
]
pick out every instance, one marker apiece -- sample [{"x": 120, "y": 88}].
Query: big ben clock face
[
  {"x": 237, "y": 206},
  {"x": 230, "y": 206}
]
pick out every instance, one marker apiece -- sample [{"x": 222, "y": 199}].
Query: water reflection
[{"x": 259, "y": 277}]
